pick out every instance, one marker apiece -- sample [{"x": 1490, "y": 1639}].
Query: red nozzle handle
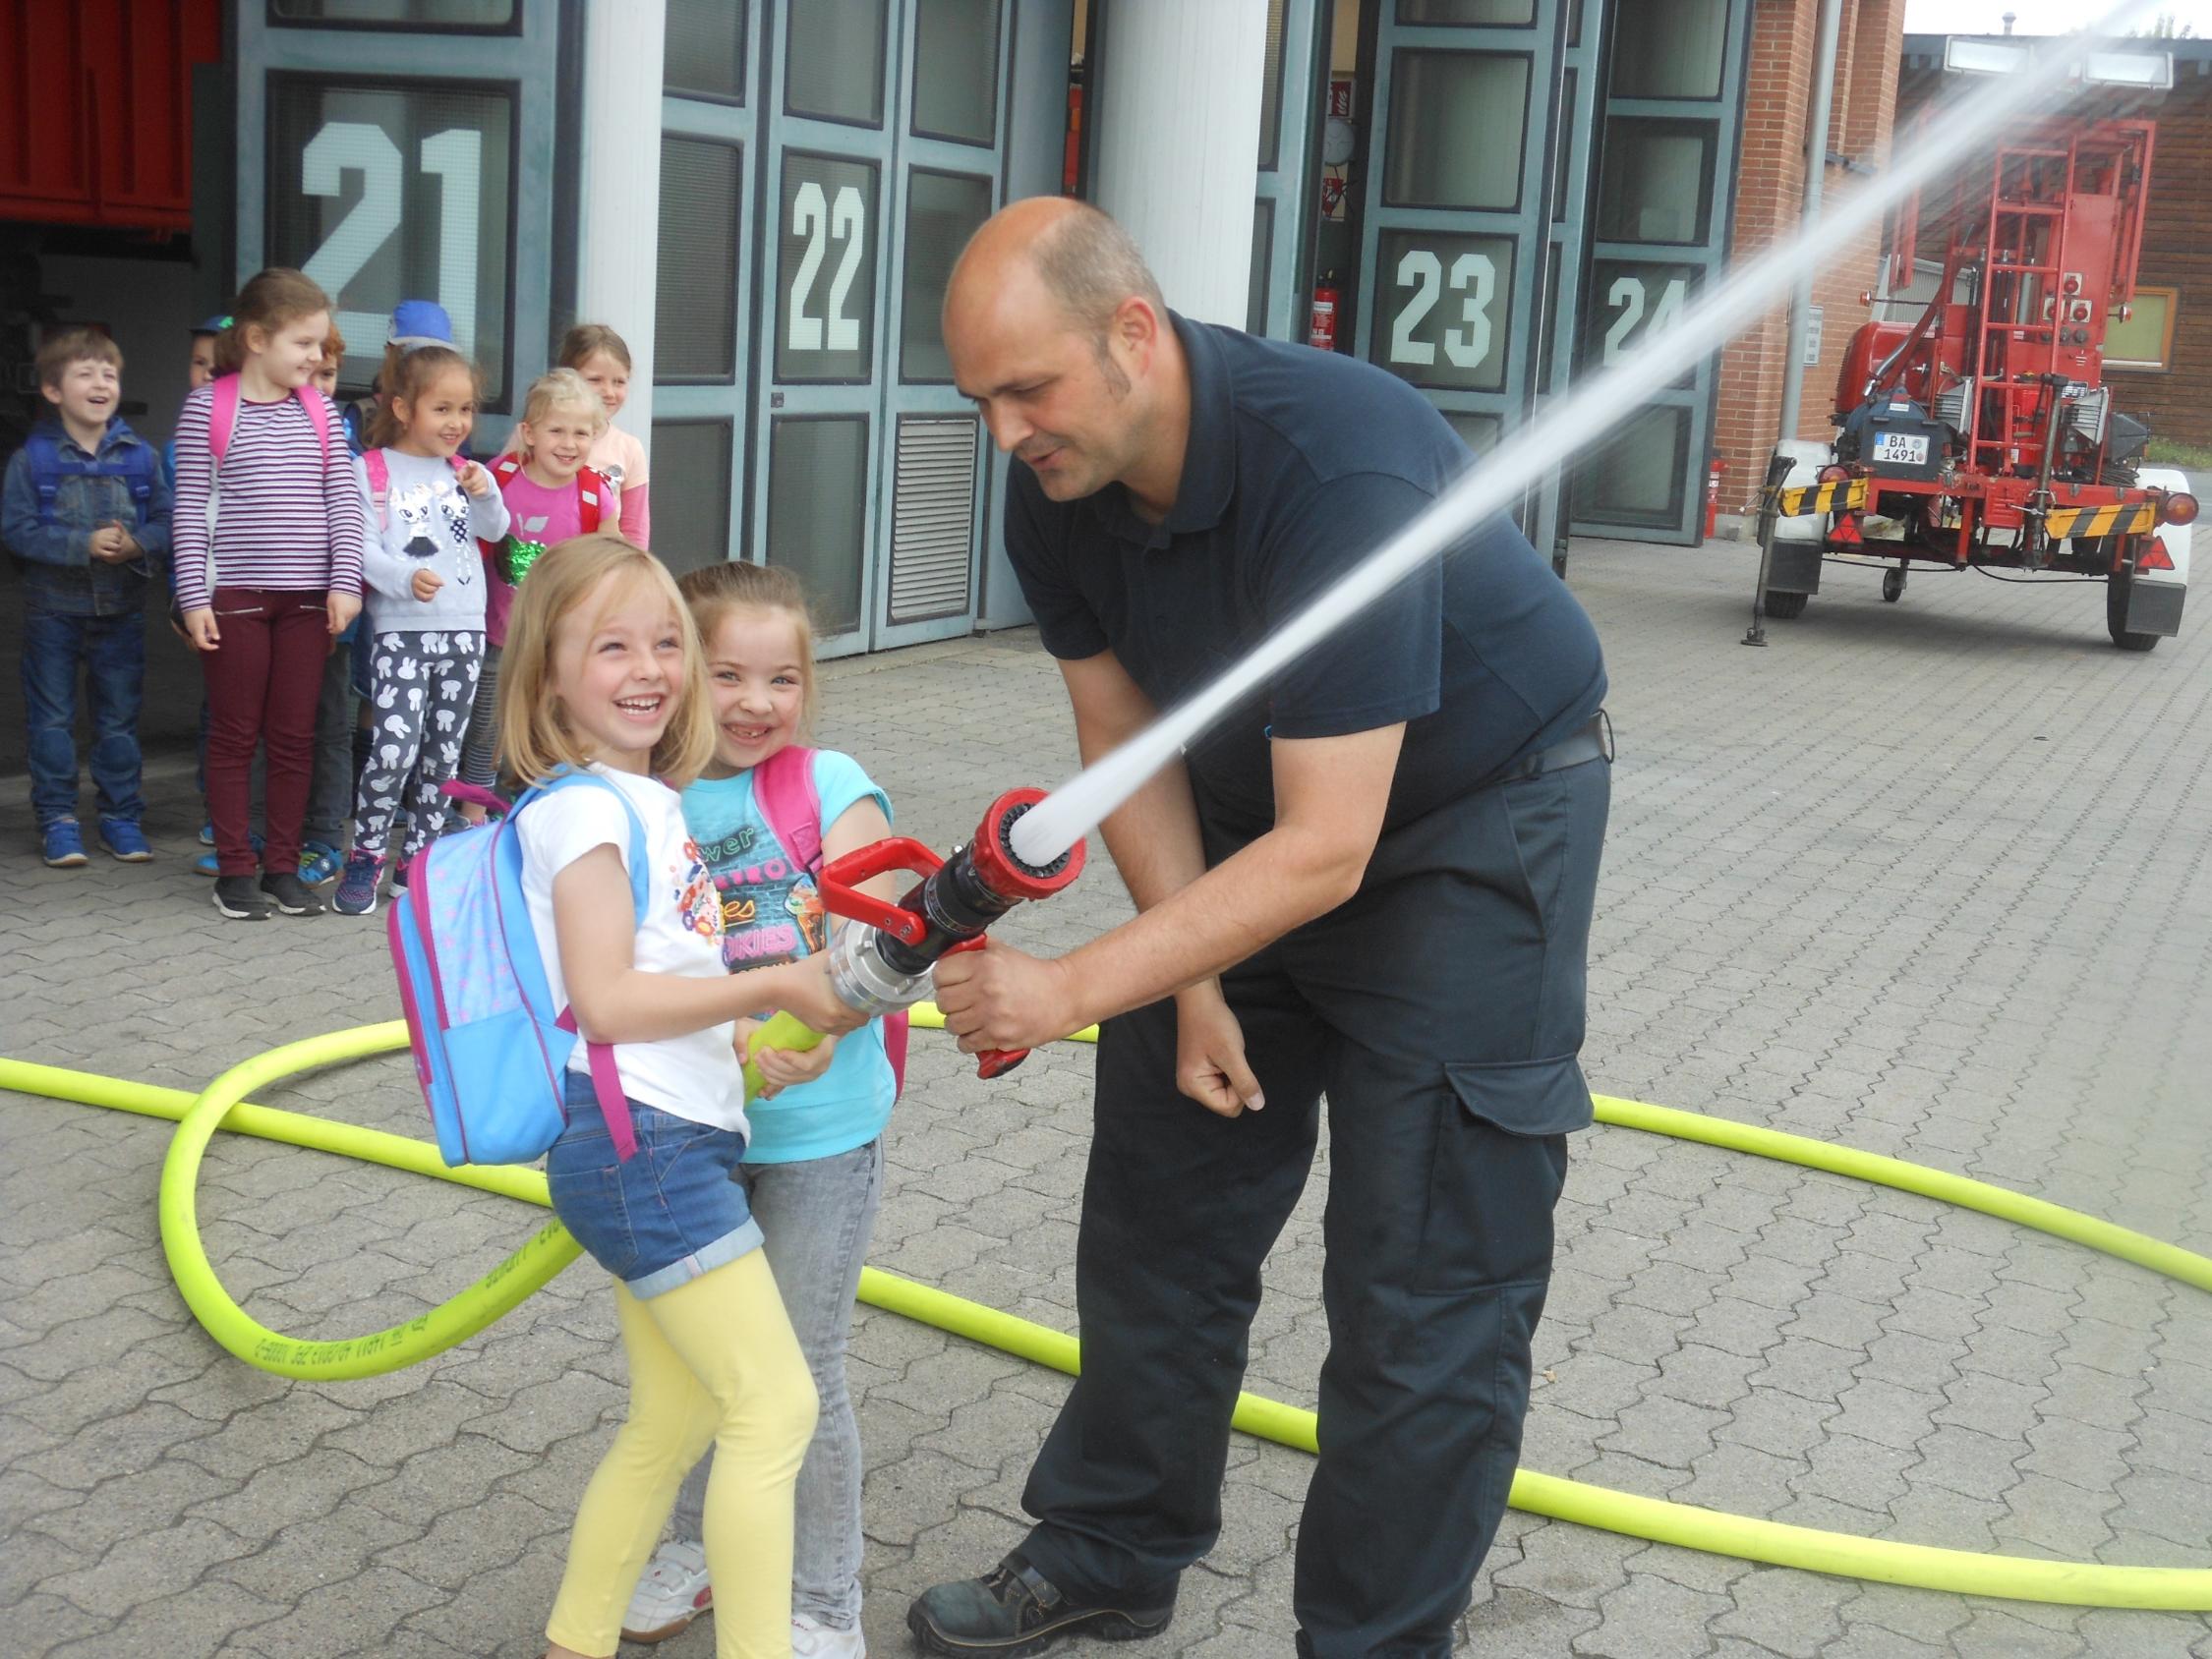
[
  {"x": 841, "y": 879},
  {"x": 990, "y": 1062}
]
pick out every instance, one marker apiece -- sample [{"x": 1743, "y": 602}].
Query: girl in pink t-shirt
[
  {"x": 553, "y": 495},
  {"x": 599, "y": 355}
]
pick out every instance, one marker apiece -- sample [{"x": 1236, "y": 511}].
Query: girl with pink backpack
[
  {"x": 268, "y": 530},
  {"x": 765, "y": 814}
]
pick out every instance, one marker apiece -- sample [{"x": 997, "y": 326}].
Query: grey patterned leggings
[
  {"x": 421, "y": 688},
  {"x": 480, "y": 758}
]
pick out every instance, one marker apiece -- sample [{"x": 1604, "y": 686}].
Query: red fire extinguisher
[
  {"x": 1713, "y": 496},
  {"x": 1322, "y": 334}
]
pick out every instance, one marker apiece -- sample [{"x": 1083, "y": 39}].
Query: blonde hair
[
  {"x": 562, "y": 388},
  {"x": 586, "y": 340},
  {"x": 535, "y": 739},
  {"x": 714, "y": 591},
  {"x": 274, "y": 298}
]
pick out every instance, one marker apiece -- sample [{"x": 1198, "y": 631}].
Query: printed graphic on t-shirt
[
  {"x": 771, "y": 910},
  {"x": 432, "y": 513},
  {"x": 695, "y": 890}
]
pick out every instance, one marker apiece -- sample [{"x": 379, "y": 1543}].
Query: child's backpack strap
[
  {"x": 591, "y": 490},
  {"x": 784, "y": 790},
  {"x": 42, "y": 451},
  {"x": 133, "y": 463},
  {"x": 379, "y": 486},
  {"x": 606, "y": 1078},
  {"x": 317, "y": 409},
  {"x": 222, "y": 417}
]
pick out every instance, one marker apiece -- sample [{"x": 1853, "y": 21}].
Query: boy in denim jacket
[{"x": 84, "y": 510}]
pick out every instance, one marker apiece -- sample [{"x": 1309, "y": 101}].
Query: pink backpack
[
  {"x": 222, "y": 421},
  {"x": 784, "y": 790}
]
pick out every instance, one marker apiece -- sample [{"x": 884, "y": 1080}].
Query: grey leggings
[
  {"x": 421, "y": 688},
  {"x": 816, "y": 1216},
  {"x": 480, "y": 754}
]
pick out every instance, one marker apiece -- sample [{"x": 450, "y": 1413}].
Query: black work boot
[{"x": 1012, "y": 1610}]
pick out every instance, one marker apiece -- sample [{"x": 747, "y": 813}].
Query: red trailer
[{"x": 1985, "y": 429}]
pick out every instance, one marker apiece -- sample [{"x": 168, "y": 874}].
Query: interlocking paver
[{"x": 1907, "y": 880}]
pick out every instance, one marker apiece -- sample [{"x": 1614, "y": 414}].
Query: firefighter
[{"x": 1375, "y": 882}]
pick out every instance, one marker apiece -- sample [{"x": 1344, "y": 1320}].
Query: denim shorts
[{"x": 668, "y": 1215}]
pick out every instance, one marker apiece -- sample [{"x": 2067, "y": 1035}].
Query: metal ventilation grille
[{"x": 933, "y": 519}]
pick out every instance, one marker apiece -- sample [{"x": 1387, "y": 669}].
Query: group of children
[{"x": 515, "y": 627}]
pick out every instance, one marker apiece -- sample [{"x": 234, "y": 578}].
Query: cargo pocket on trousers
[{"x": 1500, "y": 1160}]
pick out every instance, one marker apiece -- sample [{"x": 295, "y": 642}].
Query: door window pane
[
  {"x": 818, "y": 511},
  {"x": 472, "y": 15},
  {"x": 957, "y": 71},
  {"x": 943, "y": 210},
  {"x": 1478, "y": 431},
  {"x": 1271, "y": 87},
  {"x": 705, "y": 49},
  {"x": 1517, "y": 14},
  {"x": 833, "y": 63},
  {"x": 1456, "y": 122},
  {"x": 1443, "y": 308},
  {"x": 1262, "y": 259},
  {"x": 1657, "y": 182},
  {"x": 1637, "y": 477},
  {"x": 384, "y": 193},
  {"x": 2147, "y": 339},
  {"x": 1630, "y": 299},
  {"x": 1670, "y": 49},
  {"x": 1566, "y": 149},
  {"x": 695, "y": 323},
  {"x": 690, "y": 494},
  {"x": 825, "y": 316}
]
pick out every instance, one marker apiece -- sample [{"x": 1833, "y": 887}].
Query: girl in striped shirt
[{"x": 267, "y": 574}]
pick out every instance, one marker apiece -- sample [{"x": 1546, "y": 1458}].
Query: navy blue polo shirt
[{"x": 1300, "y": 462}]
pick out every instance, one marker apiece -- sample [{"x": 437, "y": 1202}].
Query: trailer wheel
[
  {"x": 2116, "y": 614},
  {"x": 1893, "y": 586},
  {"x": 1786, "y": 608}
]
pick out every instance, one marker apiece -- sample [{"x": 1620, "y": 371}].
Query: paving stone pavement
[{"x": 1929, "y": 879}]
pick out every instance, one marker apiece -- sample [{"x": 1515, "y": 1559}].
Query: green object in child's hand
[{"x": 517, "y": 555}]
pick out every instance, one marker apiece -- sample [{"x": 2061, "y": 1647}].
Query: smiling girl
[{"x": 605, "y": 676}]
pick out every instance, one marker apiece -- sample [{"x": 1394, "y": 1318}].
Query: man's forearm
[{"x": 1190, "y": 933}]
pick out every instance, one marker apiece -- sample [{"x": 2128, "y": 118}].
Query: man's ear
[{"x": 1134, "y": 332}]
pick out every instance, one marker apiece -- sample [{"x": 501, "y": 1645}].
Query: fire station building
[{"x": 764, "y": 196}]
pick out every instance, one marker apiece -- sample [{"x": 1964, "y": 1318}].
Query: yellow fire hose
[{"x": 223, "y": 1106}]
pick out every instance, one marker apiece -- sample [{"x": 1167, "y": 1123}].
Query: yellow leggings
[{"x": 711, "y": 1363}]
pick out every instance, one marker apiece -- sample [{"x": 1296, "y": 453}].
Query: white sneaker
[
  {"x": 672, "y": 1592},
  {"x": 810, "y": 1641}
]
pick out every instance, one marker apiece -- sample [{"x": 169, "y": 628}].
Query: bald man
[{"x": 1375, "y": 882}]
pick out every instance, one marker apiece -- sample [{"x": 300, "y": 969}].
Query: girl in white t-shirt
[{"x": 604, "y": 673}]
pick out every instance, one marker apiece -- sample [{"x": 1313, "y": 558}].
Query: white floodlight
[{"x": 2145, "y": 72}]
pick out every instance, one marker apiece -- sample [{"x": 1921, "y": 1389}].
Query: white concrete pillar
[
  {"x": 1177, "y": 151},
  {"x": 618, "y": 237}
]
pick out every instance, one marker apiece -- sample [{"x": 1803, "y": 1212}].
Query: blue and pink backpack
[{"x": 492, "y": 1052}]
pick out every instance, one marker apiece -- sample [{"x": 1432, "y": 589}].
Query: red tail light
[{"x": 2181, "y": 508}]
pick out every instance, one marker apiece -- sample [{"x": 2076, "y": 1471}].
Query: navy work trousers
[{"x": 1440, "y": 1012}]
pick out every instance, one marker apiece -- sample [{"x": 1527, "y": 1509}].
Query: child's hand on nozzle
[
  {"x": 476, "y": 480},
  {"x": 427, "y": 583},
  {"x": 805, "y": 992}
]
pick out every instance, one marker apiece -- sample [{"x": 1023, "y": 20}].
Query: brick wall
[
  {"x": 1770, "y": 200},
  {"x": 2176, "y": 245}
]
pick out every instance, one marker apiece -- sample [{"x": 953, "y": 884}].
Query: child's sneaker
[
  {"x": 125, "y": 840},
  {"x": 207, "y": 834},
  {"x": 211, "y": 862},
  {"x": 239, "y": 899},
  {"x": 810, "y": 1641},
  {"x": 672, "y": 1592},
  {"x": 318, "y": 863},
  {"x": 357, "y": 888},
  {"x": 289, "y": 893},
  {"x": 64, "y": 844}
]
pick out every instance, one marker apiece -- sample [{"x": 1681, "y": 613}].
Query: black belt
[{"x": 1594, "y": 742}]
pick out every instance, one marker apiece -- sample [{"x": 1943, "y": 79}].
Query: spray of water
[{"x": 1570, "y": 426}]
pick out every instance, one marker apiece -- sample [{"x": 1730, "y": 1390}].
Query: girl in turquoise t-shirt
[{"x": 813, "y": 1170}]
